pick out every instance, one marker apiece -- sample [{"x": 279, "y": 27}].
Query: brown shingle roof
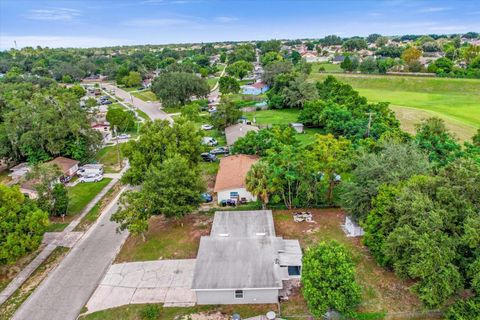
[
  {"x": 233, "y": 171},
  {"x": 65, "y": 164}
]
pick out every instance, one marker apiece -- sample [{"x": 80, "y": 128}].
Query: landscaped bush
[{"x": 150, "y": 312}]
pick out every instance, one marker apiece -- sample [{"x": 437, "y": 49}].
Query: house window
[
  {"x": 293, "y": 270},
  {"x": 238, "y": 294},
  {"x": 233, "y": 195}
]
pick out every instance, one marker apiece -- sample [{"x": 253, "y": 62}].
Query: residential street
[
  {"x": 152, "y": 109},
  {"x": 67, "y": 289}
]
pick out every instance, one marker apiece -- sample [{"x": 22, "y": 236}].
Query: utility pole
[
  {"x": 370, "y": 114},
  {"x": 118, "y": 146}
]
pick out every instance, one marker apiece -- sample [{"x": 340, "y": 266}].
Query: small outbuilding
[{"x": 297, "y": 126}]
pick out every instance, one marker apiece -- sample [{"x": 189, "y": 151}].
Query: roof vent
[
  {"x": 223, "y": 235},
  {"x": 260, "y": 234}
]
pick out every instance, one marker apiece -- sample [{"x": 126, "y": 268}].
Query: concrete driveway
[{"x": 161, "y": 281}]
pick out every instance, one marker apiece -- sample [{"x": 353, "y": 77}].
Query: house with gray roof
[{"x": 243, "y": 261}]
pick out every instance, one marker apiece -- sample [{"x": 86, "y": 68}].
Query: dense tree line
[{"x": 39, "y": 122}]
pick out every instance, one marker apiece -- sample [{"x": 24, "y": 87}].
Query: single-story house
[
  {"x": 338, "y": 59},
  {"x": 237, "y": 131},
  {"x": 68, "y": 167},
  {"x": 243, "y": 261},
  {"x": 255, "y": 88},
  {"x": 310, "y": 56},
  {"x": 19, "y": 171},
  {"x": 231, "y": 175},
  {"x": 297, "y": 126},
  {"x": 104, "y": 129}
]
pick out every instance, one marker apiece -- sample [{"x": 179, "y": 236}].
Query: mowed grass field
[{"x": 457, "y": 101}]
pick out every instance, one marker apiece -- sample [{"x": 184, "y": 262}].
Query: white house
[
  {"x": 243, "y": 261},
  {"x": 230, "y": 181}
]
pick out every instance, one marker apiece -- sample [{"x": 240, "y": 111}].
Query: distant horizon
[{"x": 96, "y": 24}]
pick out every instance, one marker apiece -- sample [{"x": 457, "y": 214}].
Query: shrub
[{"x": 150, "y": 312}]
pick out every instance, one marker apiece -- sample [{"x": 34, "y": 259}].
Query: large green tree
[
  {"x": 52, "y": 195},
  {"x": 22, "y": 224},
  {"x": 177, "y": 88},
  {"x": 228, "y": 85},
  {"x": 394, "y": 162},
  {"x": 227, "y": 114},
  {"x": 171, "y": 189},
  {"x": 331, "y": 157},
  {"x": 328, "y": 279},
  {"x": 433, "y": 137},
  {"x": 239, "y": 69},
  {"x": 41, "y": 123},
  {"x": 158, "y": 141}
]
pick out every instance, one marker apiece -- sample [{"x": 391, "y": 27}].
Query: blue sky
[{"x": 103, "y": 22}]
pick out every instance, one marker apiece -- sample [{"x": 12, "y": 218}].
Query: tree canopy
[
  {"x": 177, "y": 88},
  {"x": 328, "y": 279},
  {"x": 22, "y": 227}
]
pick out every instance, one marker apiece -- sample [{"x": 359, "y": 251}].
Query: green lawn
[
  {"x": 56, "y": 226},
  {"x": 145, "y": 95},
  {"x": 457, "y": 101},
  {"x": 274, "y": 117},
  {"x": 329, "y": 67},
  {"x": 81, "y": 194},
  {"x": 212, "y": 82},
  {"x": 133, "y": 312},
  {"x": 108, "y": 156}
]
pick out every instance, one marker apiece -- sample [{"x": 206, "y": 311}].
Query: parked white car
[
  {"x": 90, "y": 170},
  {"x": 209, "y": 141},
  {"x": 123, "y": 136},
  {"x": 91, "y": 178},
  {"x": 207, "y": 127}
]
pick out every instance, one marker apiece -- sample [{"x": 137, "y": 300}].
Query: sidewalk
[{"x": 67, "y": 234}]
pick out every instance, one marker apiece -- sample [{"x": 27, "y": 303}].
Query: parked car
[
  {"x": 123, "y": 136},
  {"x": 209, "y": 141},
  {"x": 208, "y": 157},
  {"x": 90, "y": 170},
  {"x": 91, "y": 178},
  {"x": 212, "y": 109},
  {"x": 207, "y": 197},
  {"x": 207, "y": 127},
  {"x": 104, "y": 102},
  {"x": 220, "y": 150}
]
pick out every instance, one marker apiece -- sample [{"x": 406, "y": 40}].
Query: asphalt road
[
  {"x": 67, "y": 289},
  {"x": 152, "y": 109}
]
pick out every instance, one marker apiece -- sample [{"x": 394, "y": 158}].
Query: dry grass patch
[{"x": 167, "y": 239}]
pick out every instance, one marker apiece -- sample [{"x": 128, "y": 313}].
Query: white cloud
[
  {"x": 226, "y": 19},
  {"x": 433, "y": 9},
  {"x": 159, "y": 22},
  {"x": 7, "y": 41},
  {"x": 53, "y": 14}
]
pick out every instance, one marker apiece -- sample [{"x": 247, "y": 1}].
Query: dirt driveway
[{"x": 160, "y": 281}]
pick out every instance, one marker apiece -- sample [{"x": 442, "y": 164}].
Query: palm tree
[{"x": 258, "y": 183}]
